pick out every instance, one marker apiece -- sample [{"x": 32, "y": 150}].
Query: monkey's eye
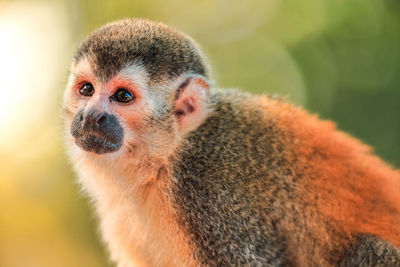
[
  {"x": 87, "y": 89},
  {"x": 122, "y": 95}
]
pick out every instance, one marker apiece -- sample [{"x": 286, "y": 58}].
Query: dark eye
[
  {"x": 87, "y": 89},
  {"x": 122, "y": 95}
]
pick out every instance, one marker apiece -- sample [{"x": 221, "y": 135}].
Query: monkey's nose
[
  {"x": 101, "y": 119},
  {"x": 96, "y": 120}
]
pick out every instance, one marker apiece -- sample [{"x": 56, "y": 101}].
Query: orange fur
[{"x": 349, "y": 184}]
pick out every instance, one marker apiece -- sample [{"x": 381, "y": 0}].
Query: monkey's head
[{"x": 135, "y": 85}]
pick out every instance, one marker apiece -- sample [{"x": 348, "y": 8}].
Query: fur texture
[
  {"x": 208, "y": 177},
  {"x": 263, "y": 182},
  {"x": 165, "y": 52}
]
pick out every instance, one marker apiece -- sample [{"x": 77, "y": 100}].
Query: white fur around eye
[{"x": 136, "y": 73}]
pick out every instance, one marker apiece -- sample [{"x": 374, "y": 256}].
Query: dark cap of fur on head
[{"x": 163, "y": 51}]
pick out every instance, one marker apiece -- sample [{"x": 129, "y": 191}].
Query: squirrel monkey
[{"x": 183, "y": 174}]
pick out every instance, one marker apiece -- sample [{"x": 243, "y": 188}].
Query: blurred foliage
[{"x": 337, "y": 58}]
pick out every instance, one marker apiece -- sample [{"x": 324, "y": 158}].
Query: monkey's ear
[{"x": 191, "y": 104}]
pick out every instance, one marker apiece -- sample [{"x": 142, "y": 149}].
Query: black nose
[
  {"x": 101, "y": 119},
  {"x": 95, "y": 120}
]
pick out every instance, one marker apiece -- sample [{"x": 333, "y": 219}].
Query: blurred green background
[{"x": 340, "y": 59}]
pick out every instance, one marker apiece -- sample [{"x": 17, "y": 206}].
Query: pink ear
[{"x": 191, "y": 107}]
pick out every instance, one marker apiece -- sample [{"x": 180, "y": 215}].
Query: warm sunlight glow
[{"x": 32, "y": 37}]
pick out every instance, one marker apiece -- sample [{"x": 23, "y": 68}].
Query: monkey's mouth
[
  {"x": 96, "y": 143},
  {"x": 97, "y": 132}
]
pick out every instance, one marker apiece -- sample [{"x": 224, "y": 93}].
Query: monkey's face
[
  {"x": 103, "y": 116},
  {"x": 135, "y": 86}
]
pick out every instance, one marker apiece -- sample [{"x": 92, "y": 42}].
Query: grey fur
[
  {"x": 369, "y": 251},
  {"x": 164, "y": 52},
  {"x": 219, "y": 205},
  {"x": 235, "y": 193}
]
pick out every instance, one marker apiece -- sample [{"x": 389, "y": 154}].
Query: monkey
[{"x": 182, "y": 173}]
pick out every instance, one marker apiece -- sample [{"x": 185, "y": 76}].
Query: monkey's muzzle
[{"x": 97, "y": 132}]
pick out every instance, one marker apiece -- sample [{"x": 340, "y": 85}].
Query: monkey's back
[{"x": 265, "y": 183}]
